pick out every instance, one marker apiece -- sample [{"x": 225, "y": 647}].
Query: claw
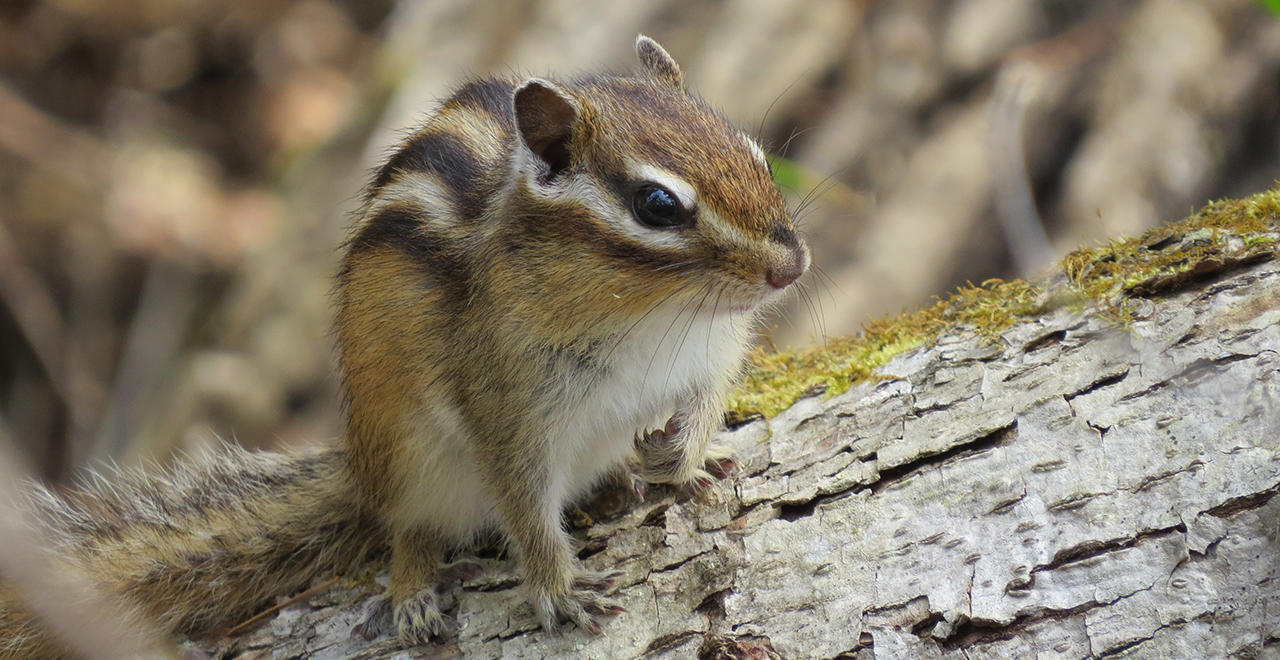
[
  {"x": 418, "y": 618},
  {"x": 662, "y": 436},
  {"x": 583, "y": 604},
  {"x": 699, "y": 485},
  {"x": 639, "y": 488},
  {"x": 597, "y": 583},
  {"x": 722, "y": 468}
]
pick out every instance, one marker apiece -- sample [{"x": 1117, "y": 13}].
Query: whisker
[
  {"x": 818, "y": 272},
  {"x": 822, "y": 312},
  {"x": 815, "y": 313},
  {"x": 677, "y": 264},
  {"x": 824, "y": 283},
  {"x": 637, "y": 322},
  {"x": 818, "y": 190},
  {"x": 794, "y": 134},
  {"x": 684, "y": 335},
  {"x": 706, "y": 354},
  {"x": 658, "y": 347},
  {"x": 808, "y": 305},
  {"x": 769, "y": 109}
]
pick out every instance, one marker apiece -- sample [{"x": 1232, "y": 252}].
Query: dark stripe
[
  {"x": 452, "y": 163},
  {"x": 406, "y": 232},
  {"x": 574, "y": 225},
  {"x": 492, "y": 96}
]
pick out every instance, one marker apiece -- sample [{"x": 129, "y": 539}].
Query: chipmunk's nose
[{"x": 782, "y": 276}]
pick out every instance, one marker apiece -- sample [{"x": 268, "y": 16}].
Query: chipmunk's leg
[
  {"x": 559, "y": 589},
  {"x": 416, "y": 560}
]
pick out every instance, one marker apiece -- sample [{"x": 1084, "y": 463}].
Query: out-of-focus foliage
[{"x": 159, "y": 164}]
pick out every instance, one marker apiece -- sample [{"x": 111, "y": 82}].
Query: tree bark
[{"x": 1078, "y": 490}]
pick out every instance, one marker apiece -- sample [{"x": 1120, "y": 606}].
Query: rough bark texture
[{"x": 1077, "y": 491}]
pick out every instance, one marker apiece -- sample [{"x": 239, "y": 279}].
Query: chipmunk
[{"x": 547, "y": 277}]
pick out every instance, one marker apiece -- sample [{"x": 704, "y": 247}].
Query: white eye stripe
[
  {"x": 682, "y": 189},
  {"x": 724, "y": 232},
  {"x": 646, "y": 172}
]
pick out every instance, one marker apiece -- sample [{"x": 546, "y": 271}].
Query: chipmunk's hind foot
[
  {"x": 584, "y": 604},
  {"x": 414, "y": 621}
]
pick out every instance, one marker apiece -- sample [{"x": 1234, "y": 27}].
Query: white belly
[{"x": 658, "y": 366}]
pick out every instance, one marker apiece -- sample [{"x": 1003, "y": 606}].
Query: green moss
[{"x": 1100, "y": 280}]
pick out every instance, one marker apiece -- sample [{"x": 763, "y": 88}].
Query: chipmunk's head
[{"x": 668, "y": 196}]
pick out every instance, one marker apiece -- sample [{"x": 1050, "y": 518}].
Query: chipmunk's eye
[{"x": 656, "y": 206}]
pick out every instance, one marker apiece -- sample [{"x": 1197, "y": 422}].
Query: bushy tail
[{"x": 208, "y": 542}]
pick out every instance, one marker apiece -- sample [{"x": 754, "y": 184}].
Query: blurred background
[{"x": 176, "y": 176}]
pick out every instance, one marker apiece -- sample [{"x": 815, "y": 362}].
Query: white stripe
[
  {"x": 414, "y": 189},
  {"x": 647, "y": 172},
  {"x": 755, "y": 149}
]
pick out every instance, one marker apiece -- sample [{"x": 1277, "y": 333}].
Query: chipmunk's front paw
[
  {"x": 584, "y": 603},
  {"x": 663, "y": 460},
  {"x": 418, "y": 618}
]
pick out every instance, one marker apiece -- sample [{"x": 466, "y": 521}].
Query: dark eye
[{"x": 656, "y": 206}]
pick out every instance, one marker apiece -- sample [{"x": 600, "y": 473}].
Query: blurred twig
[{"x": 240, "y": 627}]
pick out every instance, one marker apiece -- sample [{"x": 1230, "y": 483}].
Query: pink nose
[{"x": 781, "y": 278}]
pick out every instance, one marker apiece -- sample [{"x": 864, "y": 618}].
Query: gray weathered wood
[{"x": 1076, "y": 491}]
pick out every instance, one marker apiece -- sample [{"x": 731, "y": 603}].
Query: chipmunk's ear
[
  {"x": 545, "y": 119},
  {"x": 660, "y": 65}
]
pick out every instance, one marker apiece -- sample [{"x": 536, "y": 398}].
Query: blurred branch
[
  {"x": 162, "y": 319},
  {"x": 35, "y": 312},
  {"x": 1024, "y": 81},
  {"x": 33, "y": 135},
  {"x": 37, "y": 316}
]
